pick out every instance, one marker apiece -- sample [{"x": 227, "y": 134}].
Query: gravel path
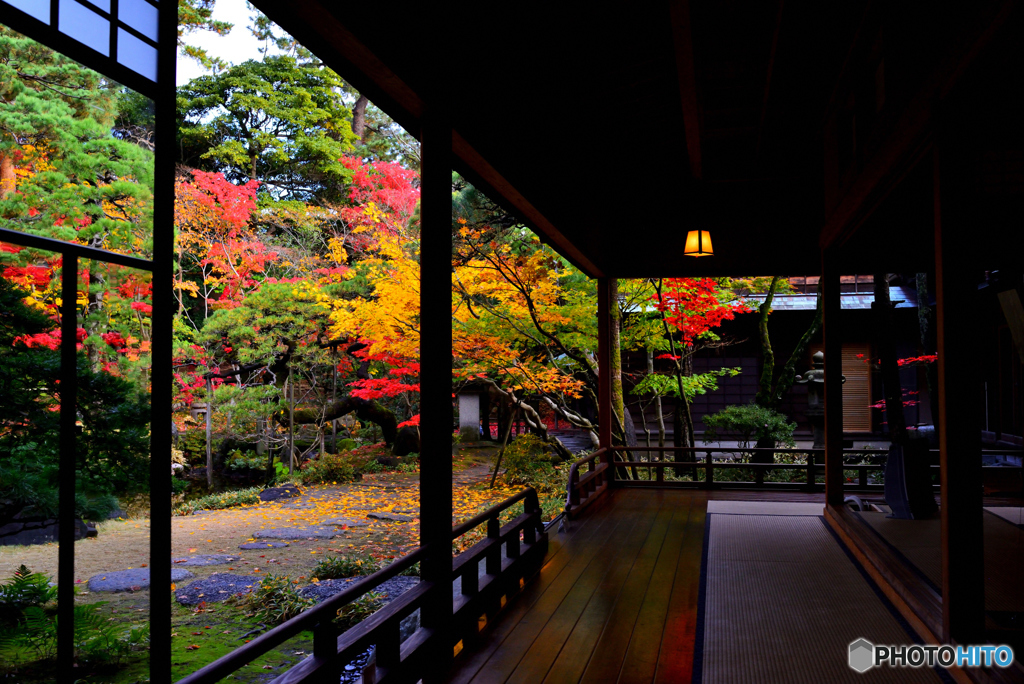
[
  {"x": 215, "y": 588},
  {"x": 394, "y": 587}
]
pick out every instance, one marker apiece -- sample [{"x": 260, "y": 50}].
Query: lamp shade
[{"x": 698, "y": 244}]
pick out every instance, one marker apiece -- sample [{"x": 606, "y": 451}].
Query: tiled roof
[{"x": 906, "y": 299}]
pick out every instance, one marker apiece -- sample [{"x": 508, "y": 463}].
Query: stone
[
  {"x": 391, "y": 517},
  {"x": 218, "y": 587},
  {"x": 31, "y": 531},
  {"x": 130, "y": 580},
  {"x": 207, "y": 559},
  {"x": 275, "y": 493},
  {"x": 407, "y": 441},
  {"x": 345, "y": 522},
  {"x": 262, "y": 545},
  {"x": 314, "y": 532}
]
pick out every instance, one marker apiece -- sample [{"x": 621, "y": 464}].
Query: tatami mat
[
  {"x": 765, "y": 508},
  {"x": 783, "y": 601}
]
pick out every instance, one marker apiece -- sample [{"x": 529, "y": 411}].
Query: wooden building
[{"x": 818, "y": 139}]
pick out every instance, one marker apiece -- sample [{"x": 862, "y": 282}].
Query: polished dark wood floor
[{"x": 616, "y": 600}]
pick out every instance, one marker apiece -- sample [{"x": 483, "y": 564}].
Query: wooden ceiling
[{"x": 612, "y": 132}]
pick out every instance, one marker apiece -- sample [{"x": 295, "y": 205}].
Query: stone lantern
[{"x": 815, "y": 381}]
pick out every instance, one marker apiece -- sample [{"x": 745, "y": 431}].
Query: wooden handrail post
[
  {"x": 389, "y": 646},
  {"x": 709, "y": 470},
  {"x": 493, "y": 561},
  {"x": 325, "y": 647},
  {"x": 810, "y": 471}
]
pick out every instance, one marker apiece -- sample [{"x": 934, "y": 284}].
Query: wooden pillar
[
  {"x": 832, "y": 337},
  {"x": 963, "y": 577},
  {"x": 162, "y": 335},
  {"x": 436, "y": 414},
  {"x": 67, "y": 475},
  {"x": 604, "y": 376}
]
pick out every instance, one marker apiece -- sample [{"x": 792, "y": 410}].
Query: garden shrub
[
  {"x": 245, "y": 460},
  {"x": 275, "y": 600},
  {"x": 335, "y": 567},
  {"x": 327, "y": 468},
  {"x": 354, "y": 612},
  {"x": 527, "y": 462},
  {"x": 212, "y": 502},
  {"x": 751, "y": 423}
]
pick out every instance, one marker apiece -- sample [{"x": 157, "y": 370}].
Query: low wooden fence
[
  {"x": 511, "y": 553},
  {"x": 586, "y": 488},
  {"x": 704, "y": 462}
]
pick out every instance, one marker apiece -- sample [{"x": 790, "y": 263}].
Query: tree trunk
[
  {"x": 765, "y": 385},
  {"x": 7, "y": 177},
  {"x": 359, "y": 118},
  {"x": 367, "y": 411},
  {"x": 658, "y": 412},
  {"x": 626, "y": 429},
  {"x": 882, "y": 308},
  {"x": 931, "y": 370}
]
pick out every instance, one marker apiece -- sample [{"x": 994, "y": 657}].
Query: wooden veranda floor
[{"x": 616, "y": 600}]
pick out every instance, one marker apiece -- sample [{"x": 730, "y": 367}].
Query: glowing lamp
[{"x": 698, "y": 244}]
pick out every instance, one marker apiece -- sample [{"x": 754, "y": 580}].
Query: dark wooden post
[
  {"x": 67, "y": 470},
  {"x": 832, "y": 335},
  {"x": 963, "y": 578},
  {"x": 436, "y": 413},
  {"x": 604, "y": 376}
]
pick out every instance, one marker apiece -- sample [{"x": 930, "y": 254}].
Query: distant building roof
[{"x": 906, "y": 299}]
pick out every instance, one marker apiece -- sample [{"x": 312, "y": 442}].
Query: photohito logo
[{"x": 864, "y": 655}]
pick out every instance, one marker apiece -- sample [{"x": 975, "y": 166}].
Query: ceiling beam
[
  {"x": 911, "y": 135},
  {"x": 768, "y": 81},
  {"x": 318, "y": 29},
  {"x": 520, "y": 205},
  {"x": 683, "y": 40}
]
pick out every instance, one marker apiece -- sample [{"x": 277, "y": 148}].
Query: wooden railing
[
  {"x": 524, "y": 543},
  {"x": 705, "y": 461},
  {"x": 583, "y": 490}
]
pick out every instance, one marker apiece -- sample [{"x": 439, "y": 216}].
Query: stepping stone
[
  {"x": 275, "y": 493},
  {"x": 130, "y": 580},
  {"x": 296, "y": 533},
  {"x": 218, "y": 587},
  {"x": 347, "y": 522},
  {"x": 208, "y": 559},
  {"x": 263, "y": 545},
  {"x": 391, "y": 517}
]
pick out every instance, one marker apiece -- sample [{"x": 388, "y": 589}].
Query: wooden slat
[
  {"x": 600, "y": 585},
  {"x": 618, "y": 602},
  {"x": 565, "y": 550},
  {"x": 606, "y": 660},
  {"x": 641, "y": 660},
  {"x": 570, "y": 584},
  {"x": 675, "y": 661},
  {"x": 856, "y": 389}
]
